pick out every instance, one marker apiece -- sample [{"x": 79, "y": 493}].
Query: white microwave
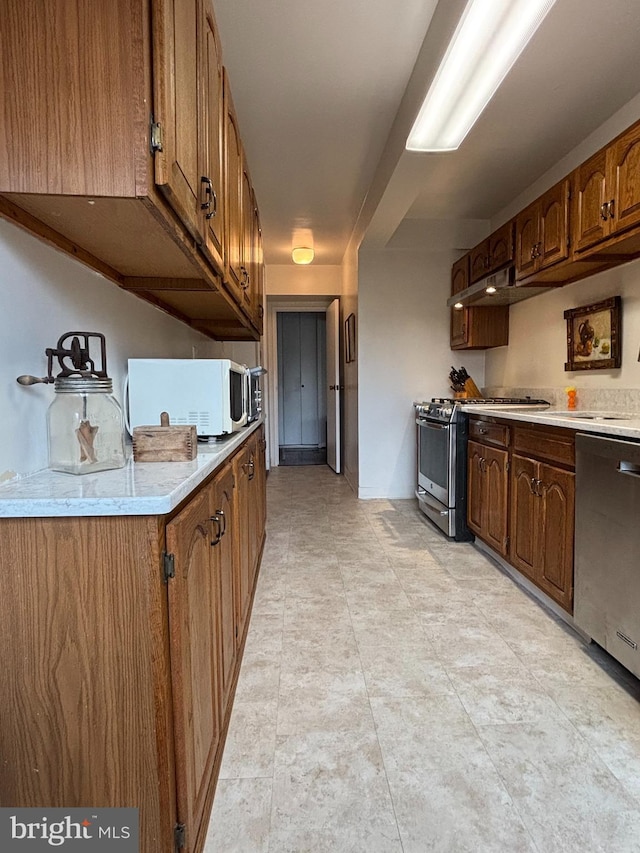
[{"x": 211, "y": 393}]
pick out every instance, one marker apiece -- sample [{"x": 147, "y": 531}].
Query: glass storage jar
[{"x": 85, "y": 426}]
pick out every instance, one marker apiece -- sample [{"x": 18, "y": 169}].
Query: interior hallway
[{"x": 400, "y": 693}]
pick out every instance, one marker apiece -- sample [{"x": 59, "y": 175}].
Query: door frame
[{"x": 276, "y": 305}]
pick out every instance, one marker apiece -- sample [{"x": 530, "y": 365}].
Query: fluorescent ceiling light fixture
[
  {"x": 490, "y": 37},
  {"x": 302, "y": 255}
]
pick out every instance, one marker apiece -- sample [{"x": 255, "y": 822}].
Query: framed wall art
[
  {"x": 350, "y": 338},
  {"x": 593, "y": 336}
]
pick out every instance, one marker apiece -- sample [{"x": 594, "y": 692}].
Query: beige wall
[
  {"x": 292, "y": 280},
  {"x": 403, "y": 356},
  {"x": 537, "y": 351},
  {"x": 349, "y": 305},
  {"x": 43, "y": 294}
]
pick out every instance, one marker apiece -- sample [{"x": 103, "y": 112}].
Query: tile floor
[{"x": 400, "y": 693}]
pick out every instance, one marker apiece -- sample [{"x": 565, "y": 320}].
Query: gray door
[{"x": 302, "y": 408}]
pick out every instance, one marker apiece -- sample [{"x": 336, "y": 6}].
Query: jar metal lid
[{"x": 83, "y": 385}]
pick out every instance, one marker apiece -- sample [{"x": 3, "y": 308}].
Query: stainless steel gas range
[{"x": 442, "y": 457}]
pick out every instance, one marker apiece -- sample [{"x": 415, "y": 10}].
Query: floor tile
[
  {"x": 241, "y": 817},
  {"x": 568, "y": 798},
  {"x": 445, "y": 788},
  {"x": 251, "y": 739},
  {"x": 330, "y": 795}
]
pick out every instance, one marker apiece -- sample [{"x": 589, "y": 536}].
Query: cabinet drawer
[
  {"x": 546, "y": 443},
  {"x": 489, "y": 432}
]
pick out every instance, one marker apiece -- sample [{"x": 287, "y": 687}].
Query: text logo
[{"x": 35, "y": 830}]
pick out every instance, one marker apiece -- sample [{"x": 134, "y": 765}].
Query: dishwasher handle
[{"x": 628, "y": 468}]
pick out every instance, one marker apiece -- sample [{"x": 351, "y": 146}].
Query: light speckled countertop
[
  {"x": 607, "y": 422},
  {"x": 140, "y": 488}
]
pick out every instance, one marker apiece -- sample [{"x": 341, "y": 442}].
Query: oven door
[{"x": 436, "y": 460}]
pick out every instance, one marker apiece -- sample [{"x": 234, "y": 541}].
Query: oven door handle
[{"x": 431, "y": 424}]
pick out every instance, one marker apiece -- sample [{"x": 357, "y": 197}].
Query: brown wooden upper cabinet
[
  {"x": 542, "y": 231},
  {"x": 607, "y": 192},
  {"x": 245, "y": 273},
  {"x": 479, "y": 327},
  {"x": 459, "y": 281},
  {"x": 492, "y": 254},
  {"x": 144, "y": 198},
  {"x": 188, "y": 92}
]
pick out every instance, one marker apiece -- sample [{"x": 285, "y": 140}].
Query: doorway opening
[
  {"x": 302, "y": 405},
  {"x": 305, "y": 353}
]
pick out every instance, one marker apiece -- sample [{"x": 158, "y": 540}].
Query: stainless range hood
[{"x": 499, "y": 288}]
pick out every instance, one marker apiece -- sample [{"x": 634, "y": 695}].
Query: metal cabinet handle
[
  {"x": 206, "y": 186},
  {"x": 220, "y": 514},
  {"x": 252, "y": 467},
  {"x": 213, "y": 212},
  {"x": 604, "y": 211},
  {"x": 244, "y": 283},
  {"x": 218, "y": 532},
  {"x": 612, "y": 208}
]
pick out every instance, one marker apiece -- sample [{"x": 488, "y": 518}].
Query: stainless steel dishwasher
[{"x": 607, "y": 545}]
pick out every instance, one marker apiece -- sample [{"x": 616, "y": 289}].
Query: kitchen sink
[{"x": 593, "y": 416}]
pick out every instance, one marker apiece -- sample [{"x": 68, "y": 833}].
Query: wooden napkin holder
[{"x": 165, "y": 443}]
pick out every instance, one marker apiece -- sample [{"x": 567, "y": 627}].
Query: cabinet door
[
  {"x": 459, "y": 281},
  {"x": 501, "y": 247},
  {"x": 195, "y": 669},
  {"x": 590, "y": 219},
  {"x": 527, "y": 238},
  {"x": 623, "y": 182},
  {"x": 213, "y": 197},
  {"x": 494, "y": 498},
  {"x": 554, "y": 225},
  {"x": 479, "y": 261},
  {"x": 261, "y": 486},
  {"x": 257, "y": 288},
  {"x": 225, "y": 529},
  {"x": 246, "y": 240},
  {"x": 474, "y": 486},
  {"x": 523, "y": 516},
  {"x": 555, "y": 552},
  {"x": 233, "y": 190},
  {"x": 243, "y": 547},
  {"x": 176, "y": 86}
]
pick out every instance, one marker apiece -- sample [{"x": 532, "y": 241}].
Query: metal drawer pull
[
  {"x": 629, "y": 468},
  {"x": 626, "y": 640}
]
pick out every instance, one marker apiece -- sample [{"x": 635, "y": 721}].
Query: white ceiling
[{"x": 326, "y": 92}]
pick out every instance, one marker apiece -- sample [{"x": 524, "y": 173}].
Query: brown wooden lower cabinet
[
  {"x": 527, "y": 515},
  {"x": 542, "y": 525},
  {"x": 121, "y": 645},
  {"x": 487, "y": 494}
]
